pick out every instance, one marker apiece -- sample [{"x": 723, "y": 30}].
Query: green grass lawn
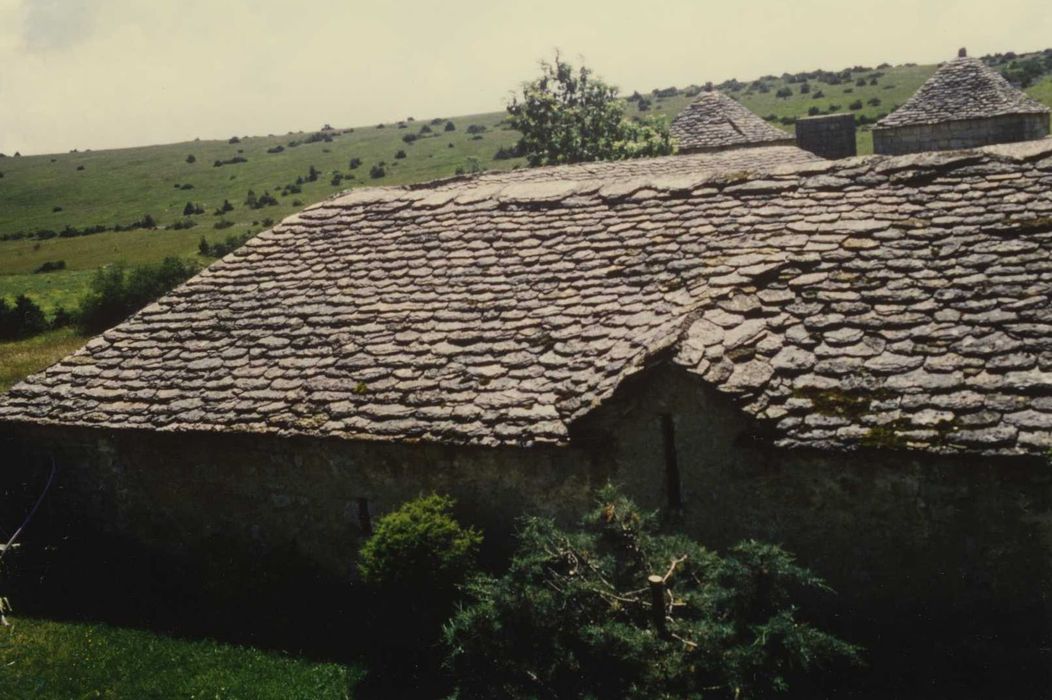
[{"x": 47, "y": 660}]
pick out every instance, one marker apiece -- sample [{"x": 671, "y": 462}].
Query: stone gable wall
[{"x": 965, "y": 133}]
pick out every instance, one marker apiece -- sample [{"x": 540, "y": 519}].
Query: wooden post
[{"x": 657, "y": 604}]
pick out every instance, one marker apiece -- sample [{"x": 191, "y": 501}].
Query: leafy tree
[
  {"x": 400, "y": 154},
  {"x": 568, "y": 116},
  {"x": 616, "y": 610},
  {"x": 450, "y": 126},
  {"x": 355, "y": 163},
  {"x": 191, "y": 158},
  {"x": 784, "y": 92},
  {"x": 312, "y": 174},
  {"x": 377, "y": 171}
]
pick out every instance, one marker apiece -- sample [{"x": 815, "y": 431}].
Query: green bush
[
  {"x": 573, "y": 617},
  {"x": 22, "y": 320},
  {"x": 117, "y": 292},
  {"x": 420, "y": 549}
]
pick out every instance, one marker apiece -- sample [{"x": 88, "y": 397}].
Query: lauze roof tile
[{"x": 895, "y": 302}]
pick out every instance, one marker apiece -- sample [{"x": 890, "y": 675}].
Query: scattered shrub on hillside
[
  {"x": 267, "y": 221},
  {"x": 319, "y": 137},
  {"x": 61, "y": 318},
  {"x": 227, "y": 246},
  {"x": 644, "y": 104},
  {"x": 380, "y": 126},
  {"x": 291, "y": 189},
  {"x": 80, "y": 167},
  {"x": 400, "y": 154},
  {"x": 250, "y": 199},
  {"x": 222, "y": 224},
  {"x": 861, "y": 82},
  {"x": 50, "y": 266},
  {"x": 190, "y": 209},
  {"x": 813, "y": 111},
  {"x": 234, "y": 139},
  {"x": 817, "y": 95},
  {"x": 848, "y": 91},
  {"x": 55, "y": 209},
  {"x": 117, "y": 292},
  {"x": 355, "y": 163},
  {"x": 186, "y": 186},
  {"x": 297, "y": 202},
  {"x": 805, "y": 88},
  {"x": 227, "y": 206},
  {"x": 312, "y": 174},
  {"x": 147, "y": 221},
  {"x": 476, "y": 128},
  {"x": 784, "y": 93},
  {"x": 787, "y": 120},
  {"x": 855, "y": 106},
  {"x": 425, "y": 129},
  {"x": 191, "y": 158},
  {"x": 230, "y": 161},
  {"x": 337, "y": 178},
  {"x": 276, "y": 149},
  {"x": 450, "y": 126},
  {"x": 410, "y": 138},
  {"x": 183, "y": 224},
  {"x": 873, "y": 81},
  {"x": 574, "y": 616},
  {"x": 506, "y": 152},
  {"x": 873, "y": 102},
  {"x": 22, "y": 320},
  {"x": 377, "y": 171},
  {"x": 471, "y": 165}
]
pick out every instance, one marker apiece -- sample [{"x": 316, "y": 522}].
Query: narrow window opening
[
  {"x": 674, "y": 488},
  {"x": 365, "y": 521}
]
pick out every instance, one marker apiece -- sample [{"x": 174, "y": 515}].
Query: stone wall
[
  {"x": 830, "y": 136},
  {"x": 965, "y": 133},
  {"x": 906, "y": 539}
]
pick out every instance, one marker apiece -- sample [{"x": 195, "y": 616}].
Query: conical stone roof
[
  {"x": 964, "y": 88},
  {"x": 715, "y": 121}
]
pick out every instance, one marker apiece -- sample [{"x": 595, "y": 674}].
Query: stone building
[
  {"x": 714, "y": 122},
  {"x": 851, "y": 358},
  {"x": 963, "y": 105}
]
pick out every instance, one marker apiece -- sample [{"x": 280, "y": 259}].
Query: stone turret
[{"x": 963, "y": 105}]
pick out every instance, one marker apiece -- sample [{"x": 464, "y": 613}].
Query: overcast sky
[{"x": 110, "y": 73}]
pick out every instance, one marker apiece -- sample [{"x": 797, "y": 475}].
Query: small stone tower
[
  {"x": 715, "y": 122},
  {"x": 963, "y": 105}
]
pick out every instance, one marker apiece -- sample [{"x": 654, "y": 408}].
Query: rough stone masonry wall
[
  {"x": 830, "y": 136},
  {"x": 880, "y": 525},
  {"x": 965, "y": 133}
]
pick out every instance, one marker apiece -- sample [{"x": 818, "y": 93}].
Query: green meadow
[{"x": 48, "y": 660}]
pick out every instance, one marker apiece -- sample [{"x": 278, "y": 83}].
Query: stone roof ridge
[
  {"x": 962, "y": 88},
  {"x": 482, "y": 190}
]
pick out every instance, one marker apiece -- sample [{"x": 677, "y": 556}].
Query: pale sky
[{"x": 110, "y": 73}]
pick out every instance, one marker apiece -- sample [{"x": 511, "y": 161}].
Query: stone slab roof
[
  {"x": 896, "y": 301},
  {"x": 714, "y": 121},
  {"x": 964, "y": 88}
]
